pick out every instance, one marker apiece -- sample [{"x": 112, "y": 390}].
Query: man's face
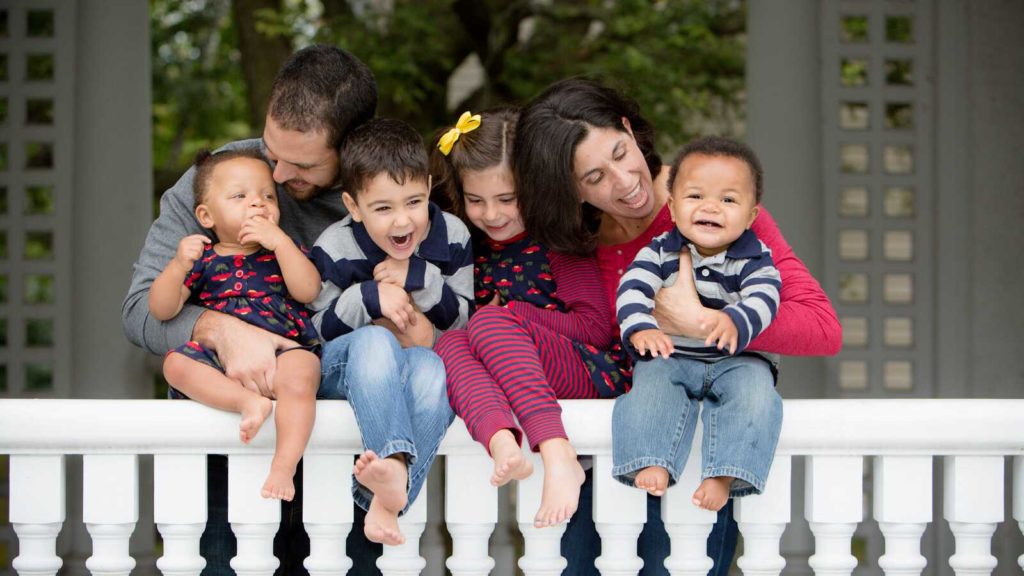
[{"x": 303, "y": 162}]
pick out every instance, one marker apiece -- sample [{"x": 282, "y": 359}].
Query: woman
[{"x": 585, "y": 148}]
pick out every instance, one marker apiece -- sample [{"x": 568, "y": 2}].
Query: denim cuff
[
  {"x": 745, "y": 483},
  {"x": 626, "y": 473}
]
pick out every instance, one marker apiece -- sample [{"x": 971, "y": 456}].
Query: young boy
[
  {"x": 394, "y": 259},
  {"x": 715, "y": 186}
]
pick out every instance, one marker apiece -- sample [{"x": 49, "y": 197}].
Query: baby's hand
[
  {"x": 652, "y": 342},
  {"x": 190, "y": 249},
  {"x": 723, "y": 333},
  {"x": 392, "y": 271},
  {"x": 395, "y": 305},
  {"x": 263, "y": 231}
]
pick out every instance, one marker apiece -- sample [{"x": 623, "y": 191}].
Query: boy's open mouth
[{"x": 402, "y": 242}]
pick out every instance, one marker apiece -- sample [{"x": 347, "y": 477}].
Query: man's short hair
[
  {"x": 323, "y": 88},
  {"x": 719, "y": 146},
  {"x": 206, "y": 161},
  {"x": 382, "y": 145}
]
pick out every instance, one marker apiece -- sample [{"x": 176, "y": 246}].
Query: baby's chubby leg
[
  {"x": 209, "y": 386},
  {"x": 295, "y": 385}
]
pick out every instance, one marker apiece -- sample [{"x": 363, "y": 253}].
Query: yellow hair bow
[{"x": 466, "y": 123}]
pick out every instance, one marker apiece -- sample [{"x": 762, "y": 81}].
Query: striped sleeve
[
  {"x": 447, "y": 293},
  {"x": 760, "y": 285},
  {"x": 343, "y": 304},
  {"x": 585, "y": 319},
  {"x": 634, "y": 300}
]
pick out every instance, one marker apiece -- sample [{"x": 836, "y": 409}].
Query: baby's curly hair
[{"x": 206, "y": 161}]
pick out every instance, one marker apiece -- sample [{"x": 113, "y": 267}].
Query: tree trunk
[{"x": 261, "y": 56}]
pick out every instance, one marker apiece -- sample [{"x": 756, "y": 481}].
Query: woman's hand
[{"x": 677, "y": 308}]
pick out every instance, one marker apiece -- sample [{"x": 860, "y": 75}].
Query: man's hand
[
  {"x": 721, "y": 330},
  {"x": 420, "y": 333},
  {"x": 392, "y": 271},
  {"x": 190, "y": 249},
  {"x": 677, "y": 308},
  {"x": 396, "y": 306},
  {"x": 247, "y": 353},
  {"x": 652, "y": 342},
  {"x": 263, "y": 231}
]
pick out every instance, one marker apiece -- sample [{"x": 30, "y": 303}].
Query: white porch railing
[{"x": 972, "y": 437}]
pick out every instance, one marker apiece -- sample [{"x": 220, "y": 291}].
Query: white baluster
[
  {"x": 762, "y": 519},
  {"x": 833, "y": 505},
  {"x": 542, "y": 554},
  {"x": 327, "y": 512},
  {"x": 179, "y": 510},
  {"x": 254, "y": 519},
  {"x": 903, "y": 509},
  {"x": 620, "y": 512},
  {"x": 110, "y": 510},
  {"x": 471, "y": 511},
  {"x": 405, "y": 559},
  {"x": 688, "y": 525},
  {"x": 1018, "y": 497},
  {"x": 973, "y": 505},
  {"x": 38, "y": 509}
]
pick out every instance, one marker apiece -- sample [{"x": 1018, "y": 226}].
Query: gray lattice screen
[{"x": 877, "y": 106}]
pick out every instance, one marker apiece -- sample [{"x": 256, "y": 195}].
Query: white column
[
  {"x": 620, "y": 512},
  {"x": 179, "y": 510},
  {"x": 254, "y": 519},
  {"x": 542, "y": 555},
  {"x": 903, "y": 509},
  {"x": 762, "y": 519},
  {"x": 110, "y": 510},
  {"x": 327, "y": 512},
  {"x": 833, "y": 505},
  {"x": 471, "y": 511},
  {"x": 687, "y": 525},
  {"x": 37, "y": 512},
  {"x": 1018, "y": 497},
  {"x": 405, "y": 559},
  {"x": 973, "y": 505}
]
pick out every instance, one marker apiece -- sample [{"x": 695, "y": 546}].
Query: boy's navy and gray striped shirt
[{"x": 742, "y": 281}]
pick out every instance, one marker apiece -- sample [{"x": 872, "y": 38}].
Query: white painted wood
[
  {"x": 37, "y": 544},
  {"x": 833, "y": 505},
  {"x": 405, "y": 559},
  {"x": 687, "y": 525},
  {"x": 620, "y": 512},
  {"x": 179, "y": 510},
  {"x": 903, "y": 509},
  {"x": 254, "y": 519},
  {"x": 762, "y": 519},
  {"x": 327, "y": 481},
  {"x": 542, "y": 555},
  {"x": 110, "y": 509},
  {"x": 1018, "y": 498},
  {"x": 973, "y": 505},
  {"x": 471, "y": 511}
]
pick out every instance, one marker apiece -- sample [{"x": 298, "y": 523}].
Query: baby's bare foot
[
  {"x": 563, "y": 477},
  {"x": 713, "y": 493},
  {"x": 654, "y": 479},
  {"x": 254, "y": 411},
  {"x": 279, "y": 483},
  {"x": 386, "y": 478},
  {"x": 509, "y": 461},
  {"x": 381, "y": 525}
]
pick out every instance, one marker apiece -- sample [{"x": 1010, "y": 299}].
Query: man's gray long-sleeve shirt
[{"x": 303, "y": 221}]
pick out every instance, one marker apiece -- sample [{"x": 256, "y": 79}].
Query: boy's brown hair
[{"x": 382, "y": 145}]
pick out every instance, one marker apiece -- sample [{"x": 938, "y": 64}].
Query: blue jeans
[
  {"x": 581, "y": 544},
  {"x": 654, "y": 424},
  {"x": 398, "y": 396}
]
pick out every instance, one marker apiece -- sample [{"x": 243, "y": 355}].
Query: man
[{"x": 320, "y": 94}]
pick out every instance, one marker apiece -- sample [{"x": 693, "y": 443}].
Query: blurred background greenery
[{"x": 214, "y": 60}]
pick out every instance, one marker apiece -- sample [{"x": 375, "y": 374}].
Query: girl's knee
[{"x": 488, "y": 315}]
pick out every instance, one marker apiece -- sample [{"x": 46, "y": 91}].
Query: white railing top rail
[{"x": 871, "y": 427}]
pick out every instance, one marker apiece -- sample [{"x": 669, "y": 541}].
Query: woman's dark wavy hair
[
  {"x": 550, "y": 128},
  {"x": 487, "y": 146}
]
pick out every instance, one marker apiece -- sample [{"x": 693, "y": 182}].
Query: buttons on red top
[
  {"x": 238, "y": 285},
  {"x": 239, "y": 273}
]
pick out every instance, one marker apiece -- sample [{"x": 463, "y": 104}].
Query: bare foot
[
  {"x": 654, "y": 479},
  {"x": 563, "y": 477},
  {"x": 279, "y": 483},
  {"x": 713, "y": 493},
  {"x": 387, "y": 479},
  {"x": 254, "y": 411},
  {"x": 509, "y": 462}
]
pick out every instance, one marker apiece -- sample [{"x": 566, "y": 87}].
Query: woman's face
[{"x": 612, "y": 175}]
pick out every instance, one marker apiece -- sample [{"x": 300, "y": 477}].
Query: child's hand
[
  {"x": 263, "y": 231},
  {"x": 190, "y": 249},
  {"x": 496, "y": 301},
  {"x": 392, "y": 271},
  {"x": 652, "y": 342},
  {"x": 396, "y": 306},
  {"x": 723, "y": 333}
]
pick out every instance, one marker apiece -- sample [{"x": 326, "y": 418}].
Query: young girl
[
  {"x": 256, "y": 273},
  {"x": 540, "y": 328}
]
